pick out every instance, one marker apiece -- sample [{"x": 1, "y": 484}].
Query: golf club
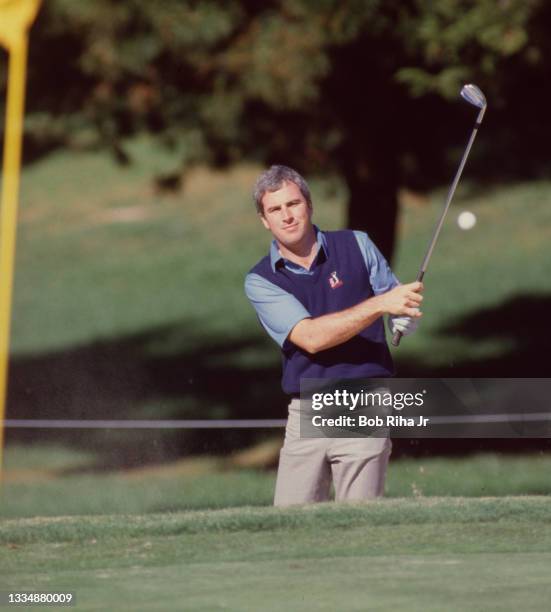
[{"x": 472, "y": 94}]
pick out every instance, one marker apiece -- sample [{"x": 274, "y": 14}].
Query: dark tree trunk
[{"x": 373, "y": 203}]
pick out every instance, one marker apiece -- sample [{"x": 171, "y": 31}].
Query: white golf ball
[{"x": 466, "y": 220}]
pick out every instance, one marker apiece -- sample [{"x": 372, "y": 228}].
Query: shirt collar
[{"x": 276, "y": 257}]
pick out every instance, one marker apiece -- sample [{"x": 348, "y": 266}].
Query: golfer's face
[{"x": 287, "y": 214}]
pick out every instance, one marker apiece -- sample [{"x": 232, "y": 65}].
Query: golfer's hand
[
  {"x": 405, "y": 325},
  {"x": 403, "y": 300}
]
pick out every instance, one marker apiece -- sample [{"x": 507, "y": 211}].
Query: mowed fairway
[{"x": 426, "y": 554}]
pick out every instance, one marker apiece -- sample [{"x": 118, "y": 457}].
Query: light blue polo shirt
[{"x": 279, "y": 311}]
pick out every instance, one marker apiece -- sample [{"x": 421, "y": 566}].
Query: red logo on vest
[{"x": 334, "y": 281}]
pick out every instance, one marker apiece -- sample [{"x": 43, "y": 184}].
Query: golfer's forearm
[{"x": 327, "y": 331}]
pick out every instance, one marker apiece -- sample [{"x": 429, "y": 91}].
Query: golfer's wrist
[{"x": 376, "y": 306}]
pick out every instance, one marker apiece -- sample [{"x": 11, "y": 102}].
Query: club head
[{"x": 472, "y": 94}]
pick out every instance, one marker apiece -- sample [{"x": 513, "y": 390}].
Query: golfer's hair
[{"x": 273, "y": 179}]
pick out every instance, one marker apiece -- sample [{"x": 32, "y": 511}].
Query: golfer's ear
[{"x": 263, "y": 219}]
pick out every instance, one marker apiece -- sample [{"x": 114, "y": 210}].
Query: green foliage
[
  {"x": 268, "y": 63},
  {"x": 457, "y": 40},
  {"x": 182, "y": 64}
]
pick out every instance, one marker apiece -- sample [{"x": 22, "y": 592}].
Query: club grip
[
  {"x": 398, "y": 334},
  {"x": 396, "y": 338}
]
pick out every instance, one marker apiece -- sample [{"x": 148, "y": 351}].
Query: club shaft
[
  {"x": 398, "y": 335},
  {"x": 451, "y": 192}
]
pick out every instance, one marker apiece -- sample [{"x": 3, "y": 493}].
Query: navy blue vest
[{"x": 323, "y": 292}]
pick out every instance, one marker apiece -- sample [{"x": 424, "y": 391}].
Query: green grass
[
  {"x": 502, "y": 258},
  {"x": 51, "y": 481},
  {"x": 130, "y": 303},
  {"x": 437, "y": 554},
  {"x": 129, "y": 296},
  {"x": 102, "y": 255}
]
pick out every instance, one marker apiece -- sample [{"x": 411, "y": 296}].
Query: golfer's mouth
[{"x": 290, "y": 227}]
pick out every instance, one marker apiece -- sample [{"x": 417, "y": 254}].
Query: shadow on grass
[
  {"x": 127, "y": 378},
  {"x": 520, "y": 324}
]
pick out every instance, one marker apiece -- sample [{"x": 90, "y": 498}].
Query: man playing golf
[{"x": 321, "y": 296}]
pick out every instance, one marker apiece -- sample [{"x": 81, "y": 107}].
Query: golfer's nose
[{"x": 286, "y": 214}]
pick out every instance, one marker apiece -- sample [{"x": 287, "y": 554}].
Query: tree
[{"x": 360, "y": 88}]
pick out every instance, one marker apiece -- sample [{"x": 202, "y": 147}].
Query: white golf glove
[{"x": 405, "y": 325}]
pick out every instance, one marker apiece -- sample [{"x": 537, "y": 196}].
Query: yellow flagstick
[{"x": 16, "y": 17}]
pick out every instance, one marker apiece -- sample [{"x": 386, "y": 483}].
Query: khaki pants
[{"x": 357, "y": 466}]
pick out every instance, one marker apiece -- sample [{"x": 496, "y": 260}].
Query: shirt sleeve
[
  {"x": 277, "y": 310},
  {"x": 380, "y": 275}
]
